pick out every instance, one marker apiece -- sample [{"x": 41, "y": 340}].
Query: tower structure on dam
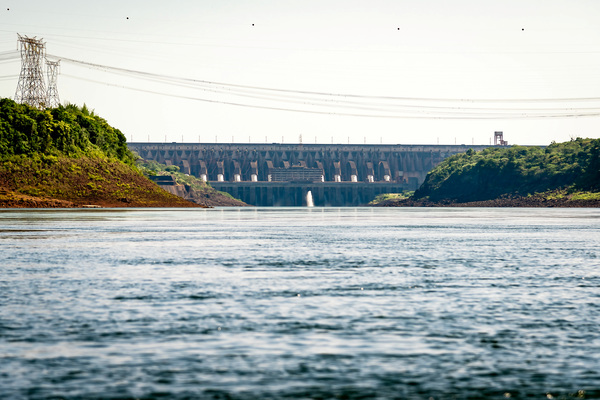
[{"x": 281, "y": 174}]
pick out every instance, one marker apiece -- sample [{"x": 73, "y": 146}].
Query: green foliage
[
  {"x": 519, "y": 170},
  {"x": 152, "y": 168},
  {"x": 389, "y": 197},
  {"x": 80, "y": 180},
  {"x": 199, "y": 190},
  {"x": 585, "y": 196},
  {"x": 65, "y": 130}
]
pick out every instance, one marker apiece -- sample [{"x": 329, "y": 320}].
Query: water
[
  {"x": 300, "y": 303},
  {"x": 309, "y": 199}
]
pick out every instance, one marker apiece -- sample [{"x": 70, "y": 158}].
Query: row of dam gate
[{"x": 284, "y": 174}]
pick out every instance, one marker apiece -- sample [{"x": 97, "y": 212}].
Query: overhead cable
[
  {"x": 424, "y": 114},
  {"x": 341, "y": 95}
]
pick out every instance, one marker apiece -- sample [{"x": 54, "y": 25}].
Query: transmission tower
[
  {"x": 31, "y": 89},
  {"x": 53, "y": 99}
]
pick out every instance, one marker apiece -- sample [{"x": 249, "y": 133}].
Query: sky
[{"x": 321, "y": 71}]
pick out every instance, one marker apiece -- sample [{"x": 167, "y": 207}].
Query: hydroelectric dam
[{"x": 280, "y": 174}]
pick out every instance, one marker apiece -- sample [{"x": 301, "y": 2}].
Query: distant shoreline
[{"x": 535, "y": 201}]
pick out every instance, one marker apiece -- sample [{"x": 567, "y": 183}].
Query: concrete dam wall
[{"x": 283, "y": 174}]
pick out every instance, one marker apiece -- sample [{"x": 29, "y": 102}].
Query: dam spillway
[{"x": 274, "y": 174}]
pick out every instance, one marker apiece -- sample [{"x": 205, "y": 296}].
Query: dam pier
[{"x": 279, "y": 174}]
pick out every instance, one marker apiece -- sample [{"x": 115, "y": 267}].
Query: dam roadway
[{"x": 278, "y": 174}]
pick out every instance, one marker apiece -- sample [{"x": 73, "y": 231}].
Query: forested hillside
[
  {"x": 66, "y": 130},
  {"x": 69, "y": 157},
  {"x": 516, "y": 171}
]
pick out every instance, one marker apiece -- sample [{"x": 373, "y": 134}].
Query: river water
[{"x": 348, "y": 303}]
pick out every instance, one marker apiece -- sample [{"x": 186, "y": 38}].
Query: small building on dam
[{"x": 283, "y": 174}]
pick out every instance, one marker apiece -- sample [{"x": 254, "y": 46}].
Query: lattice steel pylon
[
  {"x": 31, "y": 88},
  {"x": 52, "y": 93}
]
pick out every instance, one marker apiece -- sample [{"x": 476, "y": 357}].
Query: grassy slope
[
  {"x": 37, "y": 181},
  {"x": 560, "y": 172},
  {"x": 69, "y": 157},
  {"x": 389, "y": 198}
]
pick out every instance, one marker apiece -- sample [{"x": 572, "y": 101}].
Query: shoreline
[
  {"x": 511, "y": 202},
  {"x": 12, "y": 200}
]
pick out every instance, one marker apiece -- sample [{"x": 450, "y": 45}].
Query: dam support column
[{"x": 289, "y": 194}]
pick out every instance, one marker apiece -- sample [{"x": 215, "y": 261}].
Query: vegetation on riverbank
[
  {"x": 70, "y": 157},
  {"x": 39, "y": 180},
  {"x": 197, "y": 190},
  {"x": 62, "y": 131},
  {"x": 553, "y": 198},
  {"x": 516, "y": 170},
  {"x": 562, "y": 174},
  {"x": 390, "y": 197}
]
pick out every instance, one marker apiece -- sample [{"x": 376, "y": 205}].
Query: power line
[
  {"x": 8, "y": 77},
  {"x": 9, "y": 56},
  {"x": 568, "y": 114},
  {"x": 369, "y": 106},
  {"x": 330, "y": 94}
]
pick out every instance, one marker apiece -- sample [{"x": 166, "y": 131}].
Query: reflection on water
[{"x": 300, "y": 303}]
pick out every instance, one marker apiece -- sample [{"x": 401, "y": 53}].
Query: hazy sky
[{"x": 418, "y": 71}]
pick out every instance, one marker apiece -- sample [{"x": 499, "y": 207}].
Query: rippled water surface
[{"x": 300, "y": 303}]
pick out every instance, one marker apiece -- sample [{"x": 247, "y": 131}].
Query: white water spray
[{"x": 309, "y": 199}]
